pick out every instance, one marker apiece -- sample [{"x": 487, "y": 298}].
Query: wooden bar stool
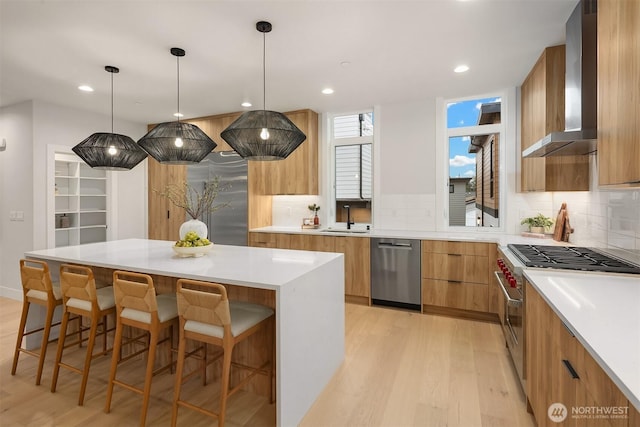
[
  {"x": 207, "y": 315},
  {"x": 138, "y": 306},
  {"x": 80, "y": 297},
  {"x": 37, "y": 289}
]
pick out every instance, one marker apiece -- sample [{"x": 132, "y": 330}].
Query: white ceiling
[{"x": 399, "y": 51}]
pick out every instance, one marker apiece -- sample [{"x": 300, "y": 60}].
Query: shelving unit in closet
[{"x": 80, "y": 202}]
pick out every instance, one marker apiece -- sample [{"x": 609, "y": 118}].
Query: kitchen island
[{"x": 308, "y": 290}]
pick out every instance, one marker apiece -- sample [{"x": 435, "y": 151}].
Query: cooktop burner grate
[{"x": 571, "y": 258}]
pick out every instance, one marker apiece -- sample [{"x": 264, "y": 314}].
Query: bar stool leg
[
  {"x": 45, "y": 341},
  {"x": 226, "y": 373},
  {"x": 182, "y": 345},
  {"x": 115, "y": 357},
  {"x": 23, "y": 323},
  {"x": 153, "y": 336},
  {"x": 61, "y": 339},
  {"x": 88, "y": 357}
]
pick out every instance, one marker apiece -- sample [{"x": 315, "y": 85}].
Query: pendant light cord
[
  {"x": 264, "y": 71},
  {"x": 178, "y": 68},
  {"x": 111, "y": 102}
]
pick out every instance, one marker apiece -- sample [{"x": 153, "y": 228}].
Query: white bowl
[{"x": 195, "y": 251}]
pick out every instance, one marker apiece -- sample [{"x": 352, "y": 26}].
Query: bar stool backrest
[
  {"x": 135, "y": 291},
  {"x": 209, "y": 305},
  {"x": 35, "y": 276},
  {"x": 77, "y": 282}
]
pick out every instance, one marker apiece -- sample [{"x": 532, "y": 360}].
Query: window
[
  {"x": 473, "y": 130},
  {"x": 352, "y": 137}
]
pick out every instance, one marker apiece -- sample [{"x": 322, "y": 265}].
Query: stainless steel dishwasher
[{"x": 395, "y": 273}]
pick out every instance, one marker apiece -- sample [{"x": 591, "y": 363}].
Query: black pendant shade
[
  {"x": 110, "y": 151},
  {"x": 177, "y": 143},
  {"x": 192, "y": 144},
  {"x": 263, "y": 134}
]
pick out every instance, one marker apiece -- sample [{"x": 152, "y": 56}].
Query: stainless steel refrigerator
[{"x": 227, "y": 226}]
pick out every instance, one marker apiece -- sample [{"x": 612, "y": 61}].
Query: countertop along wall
[
  {"x": 405, "y": 190},
  {"x": 28, "y": 128}
]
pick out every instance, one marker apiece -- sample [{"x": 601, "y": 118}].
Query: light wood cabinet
[
  {"x": 298, "y": 173},
  {"x": 263, "y": 240},
  {"x": 214, "y": 125},
  {"x": 357, "y": 268},
  {"x": 456, "y": 275},
  {"x": 560, "y": 370},
  {"x": 618, "y": 93},
  {"x": 164, "y": 217},
  {"x": 357, "y": 275},
  {"x": 542, "y": 112}
]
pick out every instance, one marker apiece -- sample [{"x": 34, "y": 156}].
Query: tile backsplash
[
  {"x": 604, "y": 218},
  {"x": 600, "y": 218}
]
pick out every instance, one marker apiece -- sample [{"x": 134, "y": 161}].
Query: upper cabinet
[
  {"x": 618, "y": 93},
  {"x": 298, "y": 173},
  {"x": 214, "y": 125},
  {"x": 542, "y": 112}
]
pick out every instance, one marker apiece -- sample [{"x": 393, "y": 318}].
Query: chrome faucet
[{"x": 349, "y": 222}]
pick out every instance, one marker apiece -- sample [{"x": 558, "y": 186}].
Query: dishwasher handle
[{"x": 390, "y": 245}]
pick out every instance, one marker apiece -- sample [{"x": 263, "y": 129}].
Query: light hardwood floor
[{"x": 400, "y": 369}]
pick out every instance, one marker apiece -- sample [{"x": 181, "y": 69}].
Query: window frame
[
  {"x": 443, "y": 133},
  {"x": 331, "y": 156}
]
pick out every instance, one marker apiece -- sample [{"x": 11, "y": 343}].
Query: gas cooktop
[{"x": 571, "y": 258}]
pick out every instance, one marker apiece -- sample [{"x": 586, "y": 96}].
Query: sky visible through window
[{"x": 463, "y": 114}]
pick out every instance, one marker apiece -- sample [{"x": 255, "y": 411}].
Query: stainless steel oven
[{"x": 509, "y": 277}]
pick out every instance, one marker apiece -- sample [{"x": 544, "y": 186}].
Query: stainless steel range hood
[{"x": 580, "y": 134}]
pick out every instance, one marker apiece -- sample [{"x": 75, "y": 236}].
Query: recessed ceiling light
[
  {"x": 461, "y": 69},
  {"x": 85, "y": 88},
  {"x": 178, "y": 115},
  {"x": 327, "y": 91},
  {"x": 246, "y": 104}
]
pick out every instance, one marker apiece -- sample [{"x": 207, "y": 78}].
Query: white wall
[
  {"x": 16, "y": 176},
  {"x": 405, "y": 185},
  {"x": 29, "y": 128}
]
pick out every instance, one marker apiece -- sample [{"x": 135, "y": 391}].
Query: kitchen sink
[{"x": 344, "y": 230}]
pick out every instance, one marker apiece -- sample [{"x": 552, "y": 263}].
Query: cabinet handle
[
  {"x": 454, "y": 254},
  {"x": 572, "y": 371},
  {"x": 454, "y": 281},
  {"x": 167, "y": 214}
]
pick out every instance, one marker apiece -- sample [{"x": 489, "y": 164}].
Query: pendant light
[
  {"x": 110, "y": 151},
  {"x": 177, "y": 143},
  {"x": 263, "y": 134}
]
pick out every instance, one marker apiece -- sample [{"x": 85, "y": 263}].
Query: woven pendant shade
[
  {"x": 160, "y": 143},
  {"x": 177, "y": 143},
  {"x": 263, "y": 135},
  {"x": 110, "y": 151}
]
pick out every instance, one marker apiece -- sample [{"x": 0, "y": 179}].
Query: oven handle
[{"x": 512, "y": 301}]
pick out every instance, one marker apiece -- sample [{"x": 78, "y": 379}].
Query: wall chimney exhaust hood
[{"x": 580, "y": 134}]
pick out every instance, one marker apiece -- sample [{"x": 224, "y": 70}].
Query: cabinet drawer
[
  {"x": 462, "y": 248},
  {"x": 462, "y": 295},
  {"x": 455, "y": 267},
  {"x": 262, "y": 240}
]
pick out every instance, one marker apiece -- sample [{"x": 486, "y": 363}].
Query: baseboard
[{"x": 11, "y": 293}]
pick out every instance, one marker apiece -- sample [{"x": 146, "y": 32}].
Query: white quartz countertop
[
  {"x": 240, "y": 265},
  {"x": 603, "y": 312},
  {"x": 463, "y": 236}
]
